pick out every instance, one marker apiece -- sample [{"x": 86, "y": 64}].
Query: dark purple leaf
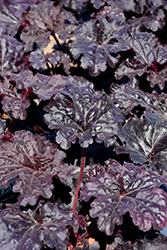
[
  {"x": 97, "y": 4},
  {"x": 146, "y": 139},
  {"x": 146, "y": 48},
  {"x": 80, "y": 112},
  {"x": 114, "y": 15},
  {"x": 127, "y": 188},
  {"x": 94, "y": 42},
  {"x": 130, "y": 68},
  {"x": 64, "y": 59},
  {"x": 11, "y": 52},
  {"x": 158, "y": 78},
  {"x": 40, "y": 19},
  {"x": 43, "y": 86},
  {"x": 128, "y": 95},
  {"x": 159, "y": 100},
  {"x": 32, "y": 230},
  {"x": 13, "y": 101},
  {"x": 35, "y": 160},
  {"x": 43, "y": 19},
  {"x": 10, "y": 23},
  {"x": 120, "y": 244},
  {"x": 74, "y": 4},
  {"x": 158, "y": 243},
  {"x": 38, "y": 59},
  {"x": 141, "y": 7},
  {"x": 125, "y": 69},
  {"x": 81, "y": 221},
  {"x": 127, "y": 5},
  {"x": 152, "y": 20}
]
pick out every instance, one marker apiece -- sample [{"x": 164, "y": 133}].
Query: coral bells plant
[{"x": 83, "y": 124}]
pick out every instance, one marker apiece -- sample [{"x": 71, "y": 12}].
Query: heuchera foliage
[{"x": 83, "y": 126}]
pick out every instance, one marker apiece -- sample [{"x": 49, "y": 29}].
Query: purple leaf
[
  {"x": 10, "y": 22},
  {"x": 80, "y": 112},
  {"x": 127, "y": 188},
  {"x": 74, "y": 4},
  {"x": 43, "y": 86},
  {"x": 120, "y": 244},
  {"x": 157, "y": 78},
  {"x": 159, "y": 101},
  {"x": 152, "y": 20},
  {"x": 38, "y": 59},
  {"x": 128, "y": 95},
  {"x": 127, "y": 5},
  {"x": 158, "y": 243},
  {"x": 146, "y": 48},
  {"x": 146, "y": 140},
  {"x": 13, "y": 101},
  {"x": 44, "y": 18},
  {"x": 130, "y": 68},
  {"x": 114, "y": 15},
  {"x": 32, "y": 230},
  {"x": 94, "y": 41},
  {"x": 35, "y": 160},
  {"x": 11, "y": 52}
]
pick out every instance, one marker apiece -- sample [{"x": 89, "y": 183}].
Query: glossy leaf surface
[
  {"x": 35, "y": 161},
  {"x": 127, "y": 188}
]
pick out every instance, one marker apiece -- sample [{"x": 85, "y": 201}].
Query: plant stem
[
  {"x": 11, "y": 125},
  {"x": 83, "y": 159},
  {"x": 58, "y": 43}
]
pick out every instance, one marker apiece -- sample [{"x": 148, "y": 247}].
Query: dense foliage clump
[{"x": 83, "y": 125}]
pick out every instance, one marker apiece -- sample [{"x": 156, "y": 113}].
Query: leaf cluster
[{"x": 83, "y": 125}]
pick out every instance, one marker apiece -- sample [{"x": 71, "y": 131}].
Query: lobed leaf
[
  {"x": 32, "y": 230},
  {"x": 11, "y": 53},
  {"x": 128, "y": 95},
  {"x": 45, "y": 18},
  {"x": 145, "y": 46},
  {"x": 38, "y": 59},
  {"x": 93, "y": 40},
  {"x": 35, "y": 161},
  {"x": 80, "y": 112},
  {"x": 146, "y": 140},
  {"x": 155, "y": 244},
  {"x": 43, "y": 86},
  {"x": 127, "y": 188},
  {"x": 13, "y": 101}
]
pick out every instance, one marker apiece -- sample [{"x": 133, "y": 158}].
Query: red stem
[
  {"x": 11, "y": 126},
  {"x": 83, "y": 159}
]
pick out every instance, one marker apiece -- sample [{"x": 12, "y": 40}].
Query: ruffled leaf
[
  {"x": 45, "y": 18},
  {"x": 80, "y": 112},
  {"x": 13, "y": 101},
  {"x": 44, "y": 227},
  {"x": 43, "y": 86},
  {"x": 35, "y": 161},
  {"x": 146, "y": 140},
  {"x": 94, "y": 42},
  {"x": 127, "y": 188}
]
